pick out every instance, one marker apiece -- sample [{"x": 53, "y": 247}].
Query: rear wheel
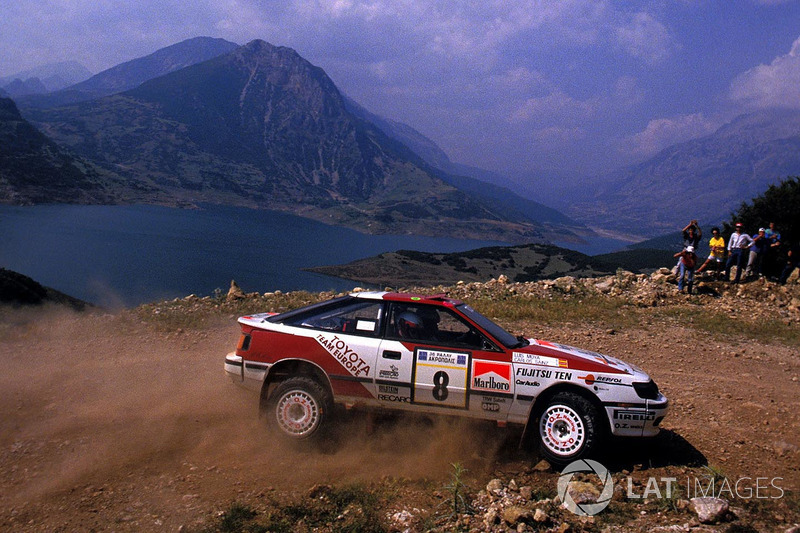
[
  {"x": 300, "y": 407},
  {"x": 569, "y": 428}
]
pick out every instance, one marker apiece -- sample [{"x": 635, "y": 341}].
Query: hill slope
[
  {"x": 133, "y": 73},
  {"x": 34, "y": 169},
  {"x": 521, "y": 263},
  {"x": 702, "y": 179},
  {"x": 20, "y": 290},
  {"x": 262, "y": 127}
]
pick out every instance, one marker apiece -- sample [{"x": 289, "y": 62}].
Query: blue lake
[{"x": 126, "y": 255}]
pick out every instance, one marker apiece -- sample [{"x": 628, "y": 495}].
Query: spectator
[
  {"x": 771, "y": 263},
  {"x": 792, "y": 262},
  {"x": 757, "y": 250},
  {"x": 717, "y": 246},
  {"x": 692, "y": 235},
  {"x": 686, "y": 266},
  {"x": 738, "y": 242}
]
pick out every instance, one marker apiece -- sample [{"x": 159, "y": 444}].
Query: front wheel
[
  {"x": 569, "y": 428},
  {"x": 300, "y": 407}
]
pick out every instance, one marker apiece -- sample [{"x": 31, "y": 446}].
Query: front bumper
[{"x": 638, "y": 421}]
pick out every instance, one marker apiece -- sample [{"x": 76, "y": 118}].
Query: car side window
[
  {"x": 431, "y": 324},
  {"x": 356, "y": 318}
]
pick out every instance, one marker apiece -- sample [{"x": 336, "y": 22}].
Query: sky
[{"x": 517, "y": 87}]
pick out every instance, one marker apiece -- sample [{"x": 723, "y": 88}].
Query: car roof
[{"x": 435, "y": 299}]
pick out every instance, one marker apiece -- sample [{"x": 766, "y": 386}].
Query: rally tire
[
  {"x": 568, "y": 428},
  {"x": 299, "y": 409}
]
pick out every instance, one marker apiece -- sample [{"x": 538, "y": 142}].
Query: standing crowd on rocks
[{"x": 759, "y": 255}]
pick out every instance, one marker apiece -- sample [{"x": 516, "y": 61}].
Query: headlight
[{"x": 647, "y": 391}]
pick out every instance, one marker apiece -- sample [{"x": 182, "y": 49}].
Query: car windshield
[{"x": 502, "y": 336}]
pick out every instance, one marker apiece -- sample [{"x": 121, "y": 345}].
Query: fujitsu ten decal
[
  {"x": 491, "y": 376},
  {"x": 344, "y": 354}
]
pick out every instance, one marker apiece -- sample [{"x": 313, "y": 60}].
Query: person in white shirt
[{"x": 738, "y": 244}]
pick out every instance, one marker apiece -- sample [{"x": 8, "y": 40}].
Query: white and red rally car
[{"x": 434, "y": 354}]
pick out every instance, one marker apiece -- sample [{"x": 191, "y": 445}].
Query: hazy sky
[{"x": 576, "y": 85}]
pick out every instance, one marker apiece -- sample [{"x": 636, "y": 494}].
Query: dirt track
[{"x": 138, "y": 430}]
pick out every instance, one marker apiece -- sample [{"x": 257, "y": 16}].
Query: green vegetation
[
  {"x": 457, "y": 490},
  {"x": 351, "y": 508},
  {"x": 527, "y": 262},
  {"x": 779, "y": 204},
  {"x": 594, "y": 309}
]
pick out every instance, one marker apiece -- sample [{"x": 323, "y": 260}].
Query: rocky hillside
[
  {"x": 19, "y": 290},
  {"x": 34, "y": 169},
  {"x": 262, "y": 127},
  {"x": 726, "y": 358}
]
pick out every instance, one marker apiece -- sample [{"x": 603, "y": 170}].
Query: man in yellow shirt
[{"x": 717, "y": 246}]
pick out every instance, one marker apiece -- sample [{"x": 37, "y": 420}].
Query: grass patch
[
  {"x": 351, "y": 508},
  {"x": 193, "y": 313},
  {"x": 598, "y": 310},
  {"x": 723, "y": 327}
]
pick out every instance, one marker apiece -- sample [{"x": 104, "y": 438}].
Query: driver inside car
[{"x": 420, "y": 325}]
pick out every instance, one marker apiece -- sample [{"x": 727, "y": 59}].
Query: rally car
[{"x": 434, "y": 354}]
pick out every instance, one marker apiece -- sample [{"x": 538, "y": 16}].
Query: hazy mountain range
[
  {"x": 205, "y": 120},
  {"x": 133, "y": 73},
  {"x": 43, "y": 79},
  {"x": 260, "y": 126},
  {"x": 704, "y": 179}
]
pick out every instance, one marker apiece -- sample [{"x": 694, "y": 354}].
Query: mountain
[
  {"x": 133, "y": 73},
  {"x": 53, "y": 76},
  {"x": 475, "y": 181},
  {"x": 262, "y": 127},
  {"x": 702, "y": 179},
  {"x": 34, "y": 169},
  {"x": 21, "y": 88}
]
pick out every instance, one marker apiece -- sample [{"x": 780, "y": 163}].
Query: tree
[{"x": 779, "y": 204}]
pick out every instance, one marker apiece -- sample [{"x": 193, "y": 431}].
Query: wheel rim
[
  {"x": 562, "y": 430},
  {"x": 297, "y": 413}
]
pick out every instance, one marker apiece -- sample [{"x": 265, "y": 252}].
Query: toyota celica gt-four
[{"x": 434, "y": 354}]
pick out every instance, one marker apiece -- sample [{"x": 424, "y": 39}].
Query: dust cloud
[{"x": 97, "y": 401}]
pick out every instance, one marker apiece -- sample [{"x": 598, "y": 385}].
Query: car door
[{"x": 424, "y": 361}]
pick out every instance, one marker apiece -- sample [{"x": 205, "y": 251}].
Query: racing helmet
[{"x": 409, "y": 325}]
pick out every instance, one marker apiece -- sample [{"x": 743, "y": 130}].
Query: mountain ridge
[
  {"x": 704, "y": 178},
  {"x": 262, "y": 127},
  {"x": 131, "y": 74}
]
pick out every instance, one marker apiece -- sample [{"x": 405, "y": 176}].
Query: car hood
[{"x": 546, "y": 353}]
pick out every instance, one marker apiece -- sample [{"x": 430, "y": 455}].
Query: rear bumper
[
  {"x": 248, "y": 374},
  {"x": 234, "y": 367}
]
